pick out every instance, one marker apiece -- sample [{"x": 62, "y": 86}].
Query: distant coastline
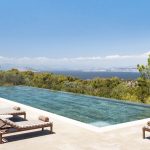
[{"x": 103, "y": 74}]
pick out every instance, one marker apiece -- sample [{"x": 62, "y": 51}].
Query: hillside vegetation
[{"x": 135, "y": 90}]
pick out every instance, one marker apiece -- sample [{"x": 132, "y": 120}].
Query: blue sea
[{"x": 91, "y": 75}]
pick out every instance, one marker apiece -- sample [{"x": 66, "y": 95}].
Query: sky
[{"x": 80, "y": 34}]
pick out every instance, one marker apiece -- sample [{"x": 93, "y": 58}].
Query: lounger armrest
[{"x": 44, "y": 118}]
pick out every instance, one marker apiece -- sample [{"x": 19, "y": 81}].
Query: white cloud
[
  {"x": 77, "y": 62},
  {"x": 144, "y": 55},
  {"x": 113, "y": 57}
]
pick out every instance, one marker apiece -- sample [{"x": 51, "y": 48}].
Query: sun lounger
[
  {"x": 7, "y": 126},
  {"x": 15, "y": 111},
  {"x": 144, "y": 129}
]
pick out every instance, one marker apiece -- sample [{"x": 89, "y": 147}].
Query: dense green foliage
[
  {"x": 144, "y": 81},
  {"x": 135, "y": 90},
  {"x": 145, "y": 70},
  {"x": 104, "y": 87}
]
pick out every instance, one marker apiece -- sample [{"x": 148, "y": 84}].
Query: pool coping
[{"x": 78, "y": 123}]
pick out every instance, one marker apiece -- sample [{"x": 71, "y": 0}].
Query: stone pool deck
[{"x": 73, "y": 135}]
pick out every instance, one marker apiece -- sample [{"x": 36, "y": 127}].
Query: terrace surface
[{"x": 73, "y": 135}]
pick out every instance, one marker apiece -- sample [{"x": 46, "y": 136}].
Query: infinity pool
[{"x": 88, "y": 109}]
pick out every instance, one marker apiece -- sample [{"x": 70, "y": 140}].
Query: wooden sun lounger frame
[
  {"x": 5, "y": 130},
  {"x": 21, "y": 113}
]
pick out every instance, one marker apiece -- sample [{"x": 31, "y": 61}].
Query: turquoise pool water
[{"x": 92, "y": 110}]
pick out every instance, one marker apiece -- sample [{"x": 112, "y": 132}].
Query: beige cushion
[
  {"x": 16, "y": 108},
  {"x": 44, "y": 118}
]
